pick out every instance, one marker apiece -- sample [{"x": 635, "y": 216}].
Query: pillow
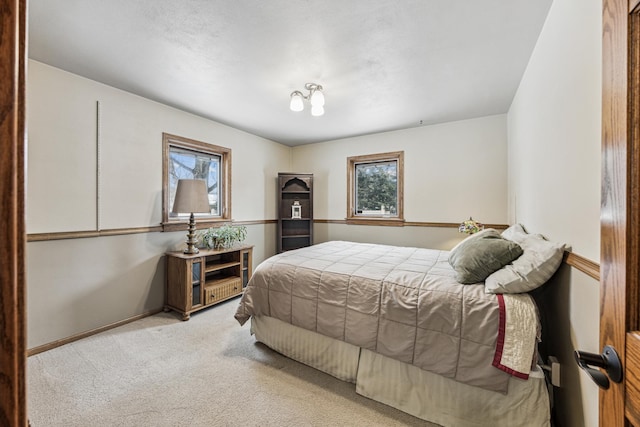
[
  {"x": 515, "y": 233},
  {"x": 540, "y": 259},
  {"x": 481, "y": 254}
]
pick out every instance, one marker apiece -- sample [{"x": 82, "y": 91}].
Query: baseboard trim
[{"x": 59, "y": 343}]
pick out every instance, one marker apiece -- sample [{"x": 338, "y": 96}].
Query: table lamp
[
  {"x": 191, "y": 197},
  {"x": 470, "y": 226}
]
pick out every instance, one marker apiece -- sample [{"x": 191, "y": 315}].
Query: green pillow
[{"x": 481, "y": 254}]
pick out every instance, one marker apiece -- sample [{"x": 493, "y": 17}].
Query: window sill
[{"x": 200, "y": 224}]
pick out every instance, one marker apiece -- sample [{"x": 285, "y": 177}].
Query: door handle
[{"x": 608, "y": 360}]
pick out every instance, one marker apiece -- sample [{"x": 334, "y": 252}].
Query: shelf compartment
[
  {"x": 295, "y": 228},
  {"x": 295, "y": 242},
  {"x": 287, "y": 200},
  {"x": 220, "y": 266}
]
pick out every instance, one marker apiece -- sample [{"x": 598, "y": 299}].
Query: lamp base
[{"x": 191, "y": 237}]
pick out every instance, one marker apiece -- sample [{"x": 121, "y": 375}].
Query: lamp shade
[
  {"x": 296, "y": 102},
  {"x": 470, "y": 226},
  {"x": 317, "y": 98},
  {"x": 191, "y": 197},
  {"x": 317, "y": 110}
]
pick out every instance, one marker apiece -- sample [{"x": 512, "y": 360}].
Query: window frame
[
  {"x": 352, "y": 217},
  {"x": 198, "y": 147}
]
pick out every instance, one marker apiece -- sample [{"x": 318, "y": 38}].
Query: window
[
  {"x": 375, "y": 187},
  {"x": 188, "y": 159}
]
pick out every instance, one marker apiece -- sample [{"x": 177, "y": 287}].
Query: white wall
[
  {"x": 554, "y": 175},
  {"x": 77, "y": 285},
  {"x": 451, "y": 171},
  {"x": 81, "y": 284},
  {"x": 61, "y": 192}
]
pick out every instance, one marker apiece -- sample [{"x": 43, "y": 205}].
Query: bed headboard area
[{"x": 511, "y": 262}]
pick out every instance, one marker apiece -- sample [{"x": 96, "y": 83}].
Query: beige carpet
[{"x": 208, "y": 371}]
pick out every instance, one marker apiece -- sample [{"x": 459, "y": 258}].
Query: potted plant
[{"x": 223, "y": 237}]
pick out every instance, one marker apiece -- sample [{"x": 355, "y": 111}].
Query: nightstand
[{"x": 197, "y": 281}]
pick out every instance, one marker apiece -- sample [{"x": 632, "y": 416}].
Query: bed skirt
[{"x": 405, "y": 387}]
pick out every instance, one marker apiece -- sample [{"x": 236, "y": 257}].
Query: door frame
[
  {"x": 13, "y": 407},
  {"x": 620, "y": 203}
]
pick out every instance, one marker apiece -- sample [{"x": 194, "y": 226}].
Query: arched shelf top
[{"x": 295, "y": 185}]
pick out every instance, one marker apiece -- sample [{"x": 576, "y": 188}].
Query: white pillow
[
  {"x": 515, "y": 233},
  {"x": 539, "y": 260}
]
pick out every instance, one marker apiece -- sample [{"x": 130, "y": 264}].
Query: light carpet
[{"x": 208, "y": 371}]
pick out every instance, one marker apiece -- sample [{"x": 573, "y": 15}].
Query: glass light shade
[
  {"x": 296, "y": 102},
  {"x": 317, "y": 110},
  {"x": 317, "y": 98}
]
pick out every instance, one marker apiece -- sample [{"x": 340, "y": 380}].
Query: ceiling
[{"x": 384, "y": 64}]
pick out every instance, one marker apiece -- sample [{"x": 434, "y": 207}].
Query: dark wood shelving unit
[{"x": 294, "y": 233}]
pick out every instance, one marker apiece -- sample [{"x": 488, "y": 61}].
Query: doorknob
[{"x": 608, "y": 360}]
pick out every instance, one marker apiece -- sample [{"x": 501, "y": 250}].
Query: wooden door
[
  {"x": 620, "y": 207},
  {"x": 12, "y": 231}
]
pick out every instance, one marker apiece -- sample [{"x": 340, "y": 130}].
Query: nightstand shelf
[
  {"x": 198, "y": 281},
  {"x": 222, "y": 266}
]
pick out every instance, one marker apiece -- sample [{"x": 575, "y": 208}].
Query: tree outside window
[
  {"x": 377, "y": 188},
  {"x": 185, "y": 164}
]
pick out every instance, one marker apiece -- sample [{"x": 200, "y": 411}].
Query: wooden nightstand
[{"x": 198, "y": 281}]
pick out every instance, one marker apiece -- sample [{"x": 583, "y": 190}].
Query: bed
[{"x": 397, "y": 322}]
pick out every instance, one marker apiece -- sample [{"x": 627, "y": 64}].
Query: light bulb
[
  {"x": 317, "y": 110},
  {"x": 317, "y": 98},
  {"x": 296, "y": 102}
]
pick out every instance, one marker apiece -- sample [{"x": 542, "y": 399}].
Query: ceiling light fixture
[{"x": 315, "y": 97}]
